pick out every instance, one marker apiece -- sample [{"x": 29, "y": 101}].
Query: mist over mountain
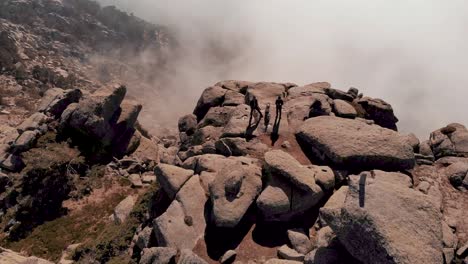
[{"x": 410, "y": 53}]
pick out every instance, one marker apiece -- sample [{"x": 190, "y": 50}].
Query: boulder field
[{"x": 331, "y": 180}]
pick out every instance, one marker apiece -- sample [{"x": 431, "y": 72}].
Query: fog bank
[{"x": 409, "y": 53}]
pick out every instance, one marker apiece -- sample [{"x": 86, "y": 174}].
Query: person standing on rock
[
  {"x": 279, "y": 107},
  {"x": 254, "y": 107},
  {"x": 267, "y": 116}
]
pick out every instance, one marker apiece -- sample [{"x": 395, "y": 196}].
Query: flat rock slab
[
  {"x": 350, "y": 144},
  {"x": 172, "y": 178},
  {"x": 183, "y": 223}
]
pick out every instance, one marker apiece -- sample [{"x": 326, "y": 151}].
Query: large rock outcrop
[
  {"x": 380, "y": 221},
  {"x": 451, "y": 140},
  {"x": 102, "y": 122},
  {"x": 355, "y": 145}
]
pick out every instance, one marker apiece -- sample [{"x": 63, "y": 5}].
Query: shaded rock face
[
  {"x": 102, "y": 122},
  {"x": 8, "y": 51},
  {"x": 353, "y": 144},
  {"x": 451, "y": 140},
  {"x": 379, "y": 111},
  {"x": 380, "y": 221}
]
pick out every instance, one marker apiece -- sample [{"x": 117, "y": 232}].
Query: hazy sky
[{"x": 411, "y": 53}]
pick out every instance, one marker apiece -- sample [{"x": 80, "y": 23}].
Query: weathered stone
[
  {"x": 299, "y": 241},
  {"x": 206, "y": 134},
  {"x": 325, "y": 237},
  {"x": 233, "y": 98},
  {"x": 11, "y": 162},
  {"x": 211, "y": 97},
  {"x": 147, "y": 152},
  {"x": 123, "y": 209},
  {"x": 336, "y": 94},
  {"x": 281, "y": 163},
  {"x": 188, "y": 257},
  {"x": 135, "y": 179},
  {"x": 413, "y": 141},
  {"x": 148, "y": 178},
  {"x": 56, "y": 100},
  {"x": 172, "y": 178},
  {"x": 449, "y": 254},
  {"x": 425, "y": 149},
  {"x": 228, "y": 257},
  {"x": 234, "y": 85},
  {"x": 456, "y": 173},
  {"x": 324, "y": 256},
  {"x": 344, "y": 109},
  {"x": 238, "y": 122},
  {"x": 352, "y": 144},
  {"x": 332, "y": 209},
  {"x": 144, "y": 238},
  {"x": 380, "y": 222},
  {"x": 183, "y": 223},
  {"x": 324, "y": 177},
  {"x": 424, "y": 187},
  {"x": 448, "y": 237},
  {"x": 160, "y": 255},
  {"x": 240, "y": 147},
  {"x": 188, "y": 124},
  {"x": 308, "y": 90},
  {"x": 265, "y": 92},
  {"x": 451, "y": 140},
  {"x": 281, "y": 200},
  {"x": 233, "y": 191},
  {"x": 32, "y": 122},
  {"x": 379, "y": 111},
  {"x": 8, "y": 135},
  {"x": 462, "y": 250},
  {"x": 288, "y": 253},
  {"x": 354, "y": 92},
  {"x": 25, "y": 141},
  {"x": 217, "y": 116}
]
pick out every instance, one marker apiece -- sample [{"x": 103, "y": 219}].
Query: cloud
[{"x": 409, "y": 53}]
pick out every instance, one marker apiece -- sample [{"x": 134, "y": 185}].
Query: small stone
[
  {"x": 123, "y": 209},
  {"x": 148, "y": 179},
  {"x": 462, "y": 250},
  {"x": 325, "y": 237},
  {"x": 424, "y": 187},
  {"x": 160, "y": 255},
  {"x": 135, "y": 179},
  {"x": 286, "y": 145},
  {"x": 449, "y": 254},
  {"x": 228, "y": 257},
  {"x": 299, "y": 240},
  {"x": 144, "y": 237},
  {"x": 288, "y": 253}
]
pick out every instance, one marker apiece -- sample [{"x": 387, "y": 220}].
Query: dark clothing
[
  {"x": 254, "y": 107},
  {"x": 267, "y": 117},
  {"x": 279, "y": 107}
]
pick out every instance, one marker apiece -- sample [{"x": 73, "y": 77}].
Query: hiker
[
  {"x": 267, "y": 116},
  {"x": 279, "y": 107},
  {"x": 254, "y": 107}
]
